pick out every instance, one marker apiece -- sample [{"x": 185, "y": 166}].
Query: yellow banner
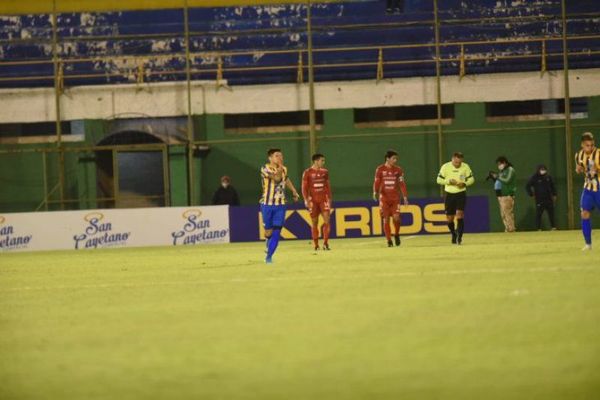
[{"x": 11, "y": 7}]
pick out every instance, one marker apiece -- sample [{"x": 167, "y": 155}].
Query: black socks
[{"x": 461, "y": 227}]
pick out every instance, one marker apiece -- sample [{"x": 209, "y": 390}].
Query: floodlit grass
[{"x": 505, "y": 316}]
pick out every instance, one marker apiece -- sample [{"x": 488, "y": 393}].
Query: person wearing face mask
[
  {"x": 226, "y": 194},
  {"x": 505, "y": 183},
  {"x": 541, "y": 187}
]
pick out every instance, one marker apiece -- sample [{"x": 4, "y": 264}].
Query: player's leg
[
  {"x": 314, "y": 216},
  {"x": 461, "y": 202},
  {"x": 326, "y": 213},
  {"x": 277, "y": 220},
  {"x": 315, "y": 232},
  {"x": 450, "y": 208},
  {"x": 267, "y": 217},
  {"x": 587, "y": 205},
  {"x": 385, "y": 215},
  {"x": 387, "y": 229},
  {"x": 397, "y": 223},
  {"x": 460, "y": 225}
]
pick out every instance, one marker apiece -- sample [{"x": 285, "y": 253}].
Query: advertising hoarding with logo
[
  {"x": 93, "y": 229},
  {"x": 352, "y": 219}
]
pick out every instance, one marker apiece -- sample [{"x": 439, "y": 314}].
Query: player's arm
[
  {"x": 403, "y": 189},
  {"x": 470, "y": 179},
  {"x": 376, "y": 184},
  {"x": 578, "y": 164},
  {"x": 305, "y": 188},
  {"x": 290, "y": 186},
  {"x": 328, "y": 189},
  {"x": 442, "y": 179}
]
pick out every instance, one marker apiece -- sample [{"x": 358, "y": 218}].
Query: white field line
[
  {"x": 373, "y": 241},
  {"x": 306, "y": 278}
]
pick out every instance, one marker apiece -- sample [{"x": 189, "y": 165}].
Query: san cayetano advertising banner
[
  {"x": 94, "y": 229},
  {"x": 352, "y": 219}
]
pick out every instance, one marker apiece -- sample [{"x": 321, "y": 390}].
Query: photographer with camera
[{"x": 506, "y": 188}]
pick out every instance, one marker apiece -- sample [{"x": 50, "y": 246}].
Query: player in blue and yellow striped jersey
[
  {"x": 587, "y": 162},
  {"x": 274, "y": 180}
]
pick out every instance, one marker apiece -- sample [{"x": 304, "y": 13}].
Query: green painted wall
[{"x": 352, "y": 155}]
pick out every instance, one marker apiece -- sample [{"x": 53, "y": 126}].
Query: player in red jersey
[
  {"x": 389, "y": 182},
  {"x": 317, "y": 198}
]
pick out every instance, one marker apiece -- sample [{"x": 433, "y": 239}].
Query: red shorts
[
  {"x": 318, "y": 207},
  {"x": 389, "y": 208}
]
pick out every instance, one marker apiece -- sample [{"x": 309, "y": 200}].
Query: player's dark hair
[
  {"x": 458, "y": 154},
  {"x": 271, "y": 151},
  {"x": 390, "y": 154},
  {"x": 587, "y": 136},
  {"x": 317, "y": 156}
]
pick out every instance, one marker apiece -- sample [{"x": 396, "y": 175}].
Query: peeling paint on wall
[{"x": 115, "y": 44}]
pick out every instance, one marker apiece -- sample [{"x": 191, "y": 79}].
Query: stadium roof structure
[{"x": 12, "y": 7}]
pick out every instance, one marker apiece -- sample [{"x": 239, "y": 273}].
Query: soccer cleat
[
  {"x": 587, "y": 247},
  {"x": 454, "y": 237},
  {"x": 390, "y": 244},
  {"x": 326, "y": 246},
  {"x": 397, "y": 240},
  {"x": 459, "y": 240},
  {"x": 317, "y": 248},
  {"x": 268, "y": 260}
]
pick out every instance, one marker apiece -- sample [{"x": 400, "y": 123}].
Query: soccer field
[{"x": 505, "y": 316}]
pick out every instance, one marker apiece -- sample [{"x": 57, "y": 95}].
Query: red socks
[
  {"x": 387, "y": 230},
  {"x": 397, "y": 227},
  {"x": 326, "y": 231},
  {"x": 315, "y": 234}
]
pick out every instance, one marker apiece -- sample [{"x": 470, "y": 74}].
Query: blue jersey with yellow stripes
[
  {"x": 273, "y": 193},
  {"x": 591, "y": 166}
]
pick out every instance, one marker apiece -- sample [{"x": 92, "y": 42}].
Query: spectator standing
[
  {"x": 226, "y": 193},
  {"x": 541, "y": 187}
]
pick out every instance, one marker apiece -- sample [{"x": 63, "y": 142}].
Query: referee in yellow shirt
[{"x": 455, "y": 176}]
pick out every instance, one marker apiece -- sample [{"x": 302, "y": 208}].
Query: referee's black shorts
[{"x": 455, "y": 201}]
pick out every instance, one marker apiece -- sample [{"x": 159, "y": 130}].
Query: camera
[{"x": 491, "y": 176}]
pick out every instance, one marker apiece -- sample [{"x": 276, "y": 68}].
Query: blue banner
[{"x": 353, "y": 219}]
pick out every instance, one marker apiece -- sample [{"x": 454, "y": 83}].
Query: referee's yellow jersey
[{"x": 460, "y": 174}]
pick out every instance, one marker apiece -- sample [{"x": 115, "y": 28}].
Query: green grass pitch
[{"x": 505, "y": 316}]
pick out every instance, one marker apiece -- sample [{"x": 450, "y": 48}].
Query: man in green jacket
[{"x": 508, "y": 188}]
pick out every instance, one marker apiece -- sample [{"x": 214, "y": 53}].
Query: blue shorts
[
  {"x": 589, "y": 200},
  {"x": 273, "y": 216}
]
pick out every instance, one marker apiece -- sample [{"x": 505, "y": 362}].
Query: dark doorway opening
[{"x": 131, "y": 178}]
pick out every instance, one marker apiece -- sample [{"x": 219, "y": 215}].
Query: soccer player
[
  {"x": 316, "y": 192},
  {"x": 274, "y": 177},
  {"x": 388, "y": 184},
  {"x": 455, "y": 175},
  {"x": 588, "y": 162}
]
